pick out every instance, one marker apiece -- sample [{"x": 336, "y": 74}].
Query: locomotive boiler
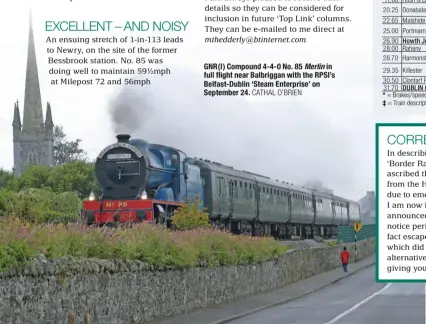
[{"x": 147, "y": 182}]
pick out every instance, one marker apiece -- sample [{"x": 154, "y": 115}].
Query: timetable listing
[{"x": 400, "y": 51}]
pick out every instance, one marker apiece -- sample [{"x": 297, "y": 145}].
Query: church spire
[
  {"x": 17, "y": 117},
  {"x": 48, "y": 124},
  {"x": 33, "y": 111}
]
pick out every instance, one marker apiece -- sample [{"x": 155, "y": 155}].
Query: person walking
[{"x": 344, "y": 256}]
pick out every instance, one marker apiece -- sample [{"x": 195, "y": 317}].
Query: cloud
[{"x": 281, "y": 140}]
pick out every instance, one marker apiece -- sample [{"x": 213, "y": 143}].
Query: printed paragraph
[
  {"x": 129, "y": 60},
  {"x": 255, "y": 21},
  {"x": 402, "y": 202}
]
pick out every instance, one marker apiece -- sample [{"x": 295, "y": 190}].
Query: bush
[
  {"x": 76, "y": 177},
  {"x": 21, "y": 241},
  {"x": 190, "y": 216},
  {"x": 40, "y": 205}
]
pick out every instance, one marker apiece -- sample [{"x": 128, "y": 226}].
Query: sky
[{"x": 327, "y": 134}]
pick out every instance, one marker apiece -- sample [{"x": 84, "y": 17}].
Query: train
[{"x": 145, "y": 182}]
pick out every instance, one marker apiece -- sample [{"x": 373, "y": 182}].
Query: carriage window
[
  {"x": 241, "y": 184},
  {"x": 250, "y": 185}
]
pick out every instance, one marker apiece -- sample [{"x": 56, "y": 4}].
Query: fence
[{"x": 347, "y": 234}]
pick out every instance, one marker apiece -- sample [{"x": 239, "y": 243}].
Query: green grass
[
  {"x": 333, "y": 243},
  {"x": 21, "y": 242}
]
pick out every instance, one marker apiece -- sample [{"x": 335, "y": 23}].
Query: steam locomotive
[{"x": 144, "y": 182}]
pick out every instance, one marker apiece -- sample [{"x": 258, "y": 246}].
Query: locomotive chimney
[{"x": 123, "y": 138}]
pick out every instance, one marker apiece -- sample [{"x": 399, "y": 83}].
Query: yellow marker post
[{"x": 357, "y": 226}]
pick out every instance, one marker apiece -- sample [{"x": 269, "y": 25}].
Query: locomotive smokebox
[
  {"x": 123, "y": 138},
  {"x": 128, "y": 167},
  {"x": 122, "y": 169}
]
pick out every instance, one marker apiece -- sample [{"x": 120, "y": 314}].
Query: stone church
[{"x": 33, "y": 138}]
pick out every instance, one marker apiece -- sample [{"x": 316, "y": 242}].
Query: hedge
[{"x": 40, "y": 205}]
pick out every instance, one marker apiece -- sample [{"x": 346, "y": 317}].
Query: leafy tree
[
  {"x": 78, "y": 177},
  {"x": 5, "y": 178},
  {"x": 65, "y": 150}
]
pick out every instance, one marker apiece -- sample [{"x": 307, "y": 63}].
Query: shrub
[
  {"x": 190, "y": 216},
  {"x": 21, "y": 241},
  {"x": 40, "y": 205}
]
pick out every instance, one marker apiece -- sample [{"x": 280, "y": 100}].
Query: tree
[
  {"x": 65, "y": 151},
  {"x": 5, "y": 178},
  {"x": 77, "y": 177}
]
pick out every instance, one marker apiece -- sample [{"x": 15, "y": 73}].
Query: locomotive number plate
[
  {"x": 118, "y": 156},
  {"x": 114, "y": 204}
]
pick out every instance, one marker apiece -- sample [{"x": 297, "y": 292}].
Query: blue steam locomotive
[{"x": 147, "y": 182}]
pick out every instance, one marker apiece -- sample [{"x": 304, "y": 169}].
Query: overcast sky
[{"x": 327, "y": 134}]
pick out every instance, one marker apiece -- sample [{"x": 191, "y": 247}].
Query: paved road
[{"x": 354, "y": 300}]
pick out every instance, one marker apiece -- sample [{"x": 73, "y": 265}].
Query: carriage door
[
  {"x": 221, "y": 191},
  {"x": 334, "y": 211},
  {"x": 231, "y": 196},
  {"x": 258, "y": 200}
]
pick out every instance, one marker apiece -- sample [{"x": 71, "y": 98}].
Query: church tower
[{"x": 33, "y": 139}]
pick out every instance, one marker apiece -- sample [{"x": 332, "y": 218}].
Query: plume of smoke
[
  {"x": 368, "y": 208},
  {"x": 124, "y": 111},
  {"x": 318, "y": 185},
  {"x": 284, "y": 141}
]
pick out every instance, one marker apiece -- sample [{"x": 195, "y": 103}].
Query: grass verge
[{"x": 21, "y": 242}]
